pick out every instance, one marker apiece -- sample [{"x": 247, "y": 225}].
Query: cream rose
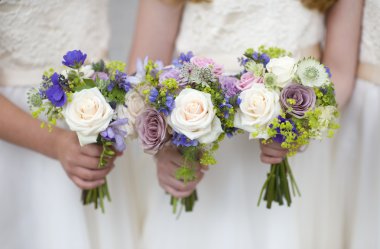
[
  {"x": 88, "y": 114},
  {"x": 258, "y": 107},
  {"x": 284, "y": 68},
  {"x": 134, "y": 106},
  {"x": 194, "y": 116}
]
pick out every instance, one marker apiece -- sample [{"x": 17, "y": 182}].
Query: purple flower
[
  {"x": 328, "y": 71},
  {"x": 264, "y": 58},
  {"x": 100, "y": 75},
  {"x": 74, "y": 59},
  {"x": 243, "y": 61},
  {"x": 179, "y": 139},
  {"x": 55, "y": 93},
  {"x": 115, "y": 133},
  {"x": 182, "y": 59},
  {"x": 228, "y": 84},
  {"x": 153, "y": 95},
  {"x": 298, "y": 99},
  {"x": 152, "y": 130},
  {"x": 170, "y": 102},
  {"x": 121, "y": 80},
  {"x": 279, "y": 138},
  {"x": 171, "y": 73}
]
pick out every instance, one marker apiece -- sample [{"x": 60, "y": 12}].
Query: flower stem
[{"x": 276, "y": 186}]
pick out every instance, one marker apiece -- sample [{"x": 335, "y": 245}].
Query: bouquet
[
  {"x": 188, "y": 109},
  {"x": 91, "y": 99},
  {"x": 287, "y": 101}
]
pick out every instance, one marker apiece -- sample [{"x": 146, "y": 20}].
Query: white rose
[
  {"x": 284, "y": 68},
  {"x": 134, "y": 106},
  {"x": 88, "y": 114},
  {"x": 194, "y": 116},
  {"x": 258, "y": 107},
  {"x": 87, "y": 71}
]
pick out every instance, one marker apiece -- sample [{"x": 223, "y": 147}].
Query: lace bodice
[
  {"x": 35, "y": 34},
  {"x": 223, "y": 29},
  {"x": 370, "y": 41}
]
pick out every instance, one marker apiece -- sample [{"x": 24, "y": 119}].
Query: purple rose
[
  {"x": 152, "y": 130},
  {"x": 172, "y": 73},
  {"x": 246, "y": 81},
  {"x": 298, "y": 98},
  {"x": 228, "y": 84}
]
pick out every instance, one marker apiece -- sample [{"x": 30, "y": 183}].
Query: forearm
[
  {"x": 20, "y": 128},
  {"x": 156, "y": 31},
  {"x": 342, "y": 46}
]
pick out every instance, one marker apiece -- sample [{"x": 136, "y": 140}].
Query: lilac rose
[
  {"x": 152, "y": 130},
  {"x": 170, "y": 73},
  {"x": 228, "y": 84},
  {"x": 246, "y": 81},
  {"x": 298, "y": 98}
]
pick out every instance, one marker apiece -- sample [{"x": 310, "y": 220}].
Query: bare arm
[
  {"x": 156, "y": 31},
  {"x": 342, "y": 46},
  {"x": 20, "y": 128},
  {"x": 80, "y": 163}
]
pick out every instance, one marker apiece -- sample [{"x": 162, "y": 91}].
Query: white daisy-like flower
[{"x": 312, "y": 73}]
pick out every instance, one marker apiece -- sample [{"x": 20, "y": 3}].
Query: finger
[
  {"x": 178, "y": 184},
  {"x": 92, "y": 150},
  {"x": 175, "y": 193},
  {"x": 273, "y": 145},
  {"x": 274, "y": 152},
  {"x": 91, "y": 175},
  {"x": 270, "y": 160},
  {"x": 87, "y": 162},
  {"x": 87, "y": 184}
]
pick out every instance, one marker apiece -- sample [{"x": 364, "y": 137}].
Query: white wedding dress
[
  {"x": 356, "y": 161},
  {"x": 226, "y": 215},
  {"x": 40, "y": 206}
]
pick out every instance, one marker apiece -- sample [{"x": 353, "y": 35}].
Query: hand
[
  {"x": 81, "y": 163},
  {"x": 168, "y": 160},
  {"x": 272, "y": 153}
]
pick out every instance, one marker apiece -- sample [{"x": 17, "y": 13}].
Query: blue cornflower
[
  {"x": 255, "y": 56},
  {"x": 55, "y": 93},
  {"x": 74, "y": 59},
  {"x": 328, "y": 71},
  {"x": 179, "y": 139},
  {"x": 238, "y": 101},
  {"x": 110, "y": 86},
  {"x": 153, "y": 95},
  {"x": 164, "y": 111},
  {"x": 170, "y": 102},
  {"x": 264, "y": 58},
  {"x": 182, "y": 58},
  {"x": 243, "y": 61}
]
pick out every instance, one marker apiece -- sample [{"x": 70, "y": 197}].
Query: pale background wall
[{"x": 122, "y": 14}]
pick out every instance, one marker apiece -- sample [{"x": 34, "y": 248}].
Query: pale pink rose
[
  {"x": 207, "y": 62},
  {"x": 246, "y": 81}
]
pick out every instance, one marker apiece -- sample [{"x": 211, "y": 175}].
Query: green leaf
[{"x": 87, "y": 84}]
